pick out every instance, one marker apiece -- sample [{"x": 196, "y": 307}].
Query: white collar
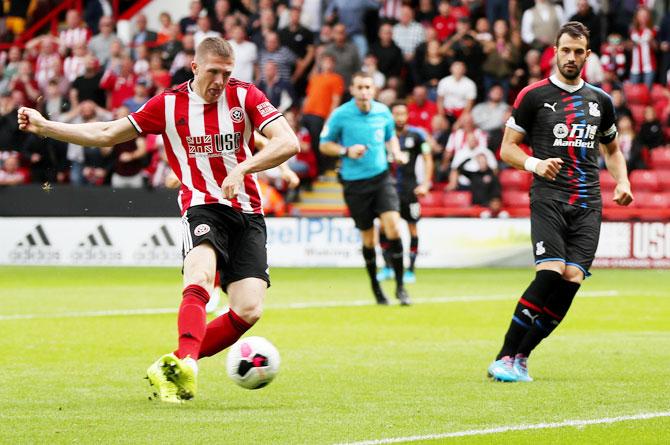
[{"x": 564, "y": 86}]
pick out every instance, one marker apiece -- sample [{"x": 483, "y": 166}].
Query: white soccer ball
[{"x": 252, "y": 362}]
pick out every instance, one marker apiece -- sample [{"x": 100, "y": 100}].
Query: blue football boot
[
  {"x": 503, "y": 370},
  {"x": 521, "y": 368}
]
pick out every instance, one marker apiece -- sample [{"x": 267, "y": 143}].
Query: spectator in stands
[
  {"x": 347, "y": 60},
  {"x": 73, "y": 65},
  {"x": 164, "y": 33},
  {"x": 274, "y": 52},
  {"x": 189, "y": 24},
  {"x": 94, "y": 11},
  {"x": 458, "y": 137},
  {"x": 87, "y": 165},
  {"x": 456, "y": 93},
  {"x": 593, "y": 71},
  {"x": 425, "y": 13},
  {"x": 140, "y": 96},
  {"x": 370, "y": 66},
  {"x": 24, "y": 81},
  {"x": 440, "y": 130},
  {"x": 304, "y": 163},
  {"x": 128, "y": 159},
  {"x": 48, "y": 64},
  {"x": 483, "y": 31},
  {"x": 11, "y": 139},
  {"x": 221, "y": 10},
  {"x": 324, "y": 93},
  {"x": 184, "y": 73},
  {"x": 642, "y": 36},
  {"x": 613, "y": 56},
  {"x": 300, "y": 41},
  {"x": 75, "y": 32},
  {"x": 54, "y": 102},
  {"x": 629, "y": 144},
  {"x": 172, "y": 46},
  {"x": 279, "y": 91},
  {"x": 475, "y": 169},
  {"x": 432, "y": 68},
  {"x": 87, "y": 86},
  {"x": 204, "y": 30},
  {"x": 141, "y": 64},
  {"x": 11, "y": 173},
  {"x": 267, "y": 23},
  {"x": 421, "y": 110},
  {"x": 14, "y": 59},
  {"x": 651, "y": 131},
  {"x": 490, "y": 116},
  {"x": 143, "y": 36},
  {"x": 185, "y": 55},
  {"x": 502, "y": 57},
  {"x": 159, "y": 77},
  {"x": 100, "y": 43},
  {"x": 246, "y": 55},
  {"x": 619, "y": 102},
  {"x": 497, "y": 10},
  {"x": 119, "y": 81},
  {"x": 389, "y": 56},
  {"x": 445, "y": 22},
  {"x": 407, "y": 33},
  {"x": 351, "y": 14},
  {"x": 540, "y": 24},
  {"x": 591, "y": 20}
]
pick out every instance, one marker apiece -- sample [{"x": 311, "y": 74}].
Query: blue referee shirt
[{"x": 348, "y": 126}]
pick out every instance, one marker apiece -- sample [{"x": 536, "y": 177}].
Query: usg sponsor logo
[
  {"x": 35, "y": 248},
  {"x": 575, "y": 135},
  {"x": 214, "y": 145},
  {"x": 651, "y": 240},
  {"x": 96, "y": 248},
  {"x": 158, "y": 249}
]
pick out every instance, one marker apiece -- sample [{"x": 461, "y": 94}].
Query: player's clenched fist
[
  {"x": 622, "y": 194},
  {"x": 231, "y": 184},
  {"x": 30, "y": 120},
  {"x": 548, "y": 168},
  {"x": 356, "y": 151}
]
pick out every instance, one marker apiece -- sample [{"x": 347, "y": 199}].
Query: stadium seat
[
  {"x": 513, "y": 179},
  {"x": 644, "y": 181},
  {"x": 660, "y": 158},
  {"x": 608, "y": 203},
  {"x": 607, "y": 182},
  {"x": 457, "y": 199},
  {"x": 637, "y": 94},
  {"x": 659, "y": 93},
  {"x": 515, "y": 198},
  {"x": 663, "y": 180},
  {"x": 432, "y": 199}
]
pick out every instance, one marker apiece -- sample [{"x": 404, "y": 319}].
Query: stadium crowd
[{"x": 458, "y": 64}]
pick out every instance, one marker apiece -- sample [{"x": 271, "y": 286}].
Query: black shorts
[
  {"x": 410, "y": 209},
  {"x": 369, "y": 198},
  {"x": 239, "y": 240},
  {"x": 563, "y": 232}
]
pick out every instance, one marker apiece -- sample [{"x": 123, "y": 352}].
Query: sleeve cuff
[
  {"x": 511, "y": 123},
  {"x": 134, "y": 123}
]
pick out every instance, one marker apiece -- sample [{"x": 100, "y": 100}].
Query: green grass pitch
[{"x": 349, "y": 372}]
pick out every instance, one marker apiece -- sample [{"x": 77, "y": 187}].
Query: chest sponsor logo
[
  {"x": 213, "y": 145},
  {"x": 237, "y": 115},
  {"x": 266, "y": 109},
  {"x": 593, "y": 109},
  {"x": 575, "y": 135}
]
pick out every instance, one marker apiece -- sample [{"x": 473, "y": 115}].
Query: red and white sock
[
  {"x": 192, "y": 321},
  {"x": 223, "y": 332}
]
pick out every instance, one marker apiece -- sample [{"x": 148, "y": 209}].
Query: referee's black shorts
[
  {"x": 369, "y": 198},
  {"x": 563, "y": 232},
  {"x": 239, "y": 240}
]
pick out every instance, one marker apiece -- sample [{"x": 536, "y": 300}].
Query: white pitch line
[
  {"x": 507, "y": 428},
  {"x": 298, "y": 305}
]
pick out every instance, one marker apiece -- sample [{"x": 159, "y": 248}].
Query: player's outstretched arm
[
  {"x": 511, "y": 153},
  {"x": 91, "y": 134},
  {"x": 282, "y": 144},
  {"x": 616, "y": 165}
]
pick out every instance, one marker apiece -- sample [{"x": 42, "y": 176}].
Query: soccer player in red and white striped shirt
[{"x": 207, "y": 125}]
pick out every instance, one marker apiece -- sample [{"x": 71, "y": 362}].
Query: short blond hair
[{"x": 216, "y": 46}]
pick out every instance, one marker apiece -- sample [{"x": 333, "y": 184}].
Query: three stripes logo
[
  {"x": 159, "y": 249},
  {"x": 96, "y": 248},
  {"x": 35, "y": 248}
]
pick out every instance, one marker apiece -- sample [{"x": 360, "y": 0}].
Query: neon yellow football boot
[
  {"x": 162, "y": 388},
  {"x": 183, "y": 373}
]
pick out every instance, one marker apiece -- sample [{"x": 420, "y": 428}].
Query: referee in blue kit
[{"x": 360, "y": 132}]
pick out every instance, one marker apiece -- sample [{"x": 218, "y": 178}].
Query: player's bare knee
[
  {"x": 203, "y": 278},
  {"x": 250, "y": 312},
  {"x": 573, "y": 274}
]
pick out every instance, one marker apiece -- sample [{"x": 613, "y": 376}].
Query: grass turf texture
[{"x": 347, "y": 373}]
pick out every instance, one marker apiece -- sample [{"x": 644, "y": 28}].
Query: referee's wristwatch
[{"x": 344, "y": 151}]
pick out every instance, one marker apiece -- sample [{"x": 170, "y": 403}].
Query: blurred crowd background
[{"x": 457, "y": 64}]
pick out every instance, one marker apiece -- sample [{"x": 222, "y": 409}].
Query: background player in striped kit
[
  {"x": 566, "y": 121},
  {"x": 207, "y": 125}
]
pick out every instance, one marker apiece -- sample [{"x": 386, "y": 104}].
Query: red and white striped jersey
[
  {"x": 203, "y": 142},
  {"x": 644, "y": 59}
]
